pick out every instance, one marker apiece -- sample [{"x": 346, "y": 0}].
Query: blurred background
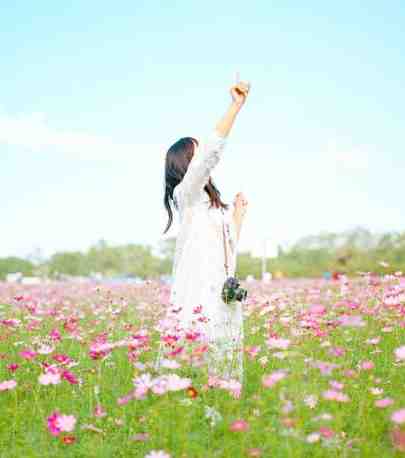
[{"x": 93, "y": 94}]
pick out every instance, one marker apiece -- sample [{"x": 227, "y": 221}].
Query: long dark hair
[{"x": 178, "y": 158}]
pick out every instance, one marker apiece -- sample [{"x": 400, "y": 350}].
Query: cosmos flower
[
  {"x": 157, "y": 454},
  {"x": 7, "y": 385},
  {"x": 239, "y": 426},
  {"x": 58, "y": 423},
  {"x": 381, "y": 403},
  {"x": 398, "y": 416},
  {"x": 400, "y": 353},
  {"x": 49, "y": 378},
  {"x": 269, "y": 380}
]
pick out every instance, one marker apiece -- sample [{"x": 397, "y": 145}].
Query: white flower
[
  {"x": 213, "y": 415},
  {"x": 313, "y": 437}
]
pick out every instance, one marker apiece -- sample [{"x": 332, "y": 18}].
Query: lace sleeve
[{"x": 203, "y": 162}]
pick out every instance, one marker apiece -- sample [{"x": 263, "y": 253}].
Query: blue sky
[{"x": 93, "y": 93}]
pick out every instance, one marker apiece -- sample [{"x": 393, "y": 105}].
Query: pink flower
[
  {"x": 142, "y": 385},
  {"x": 125, "y": 399},
  {"x": 336, "y": 385},
  {"x": 252, "y": 351},
  {"x": 66, "y": 423},
  {"x": 269, "y": 380},
  {"x": 58, "y": 423},
  {"x": 28, "y": 354},
  {"x": 381, "y": 403},
  {"x": 176, "y": 383},
  {"x": 99, "y": 411},
  {"x": 367, "y": 365},
  {"x": 239, "y": 426},
  {"x": 55, "y": 334},
  {"x": 400, "y": 353},
  {"x": 317, "y": 309},
  {"x": 234, "y": 387},
  {"x": 159, "y": 386},
  {"x": 350, "y": 373},
  {"x": 49, "y": 378},
  {"x": 333, "y": 395},
  {"x": 8, "y": 385},
  {"x": 274, "y": 342},
  {"x": 398, "y": 439},
  {"x": 337, "y": 351},
  {"x": 326, "y": 432},
  {"x": 398, "y": 416},
  {"x": 351, "y": 320}
]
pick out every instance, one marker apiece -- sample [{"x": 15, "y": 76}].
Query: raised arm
[
  {"x": 207, "y": 156},
  {"x": 239, "y": 94}
]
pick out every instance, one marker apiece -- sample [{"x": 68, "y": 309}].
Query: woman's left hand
[{"x": 240, "y": 205}]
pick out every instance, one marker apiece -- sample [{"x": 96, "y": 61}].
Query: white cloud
[{"x": 34, "y": 133}]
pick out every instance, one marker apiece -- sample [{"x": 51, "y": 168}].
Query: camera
[{"x": 231, "y": 291}]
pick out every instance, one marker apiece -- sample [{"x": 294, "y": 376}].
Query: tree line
[{"x": 350, "y": 252}]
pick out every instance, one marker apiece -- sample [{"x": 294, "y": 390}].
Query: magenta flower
[
  {"x": 13, "y": 367},
  {"x": 71, "y": 378},
  {"x": 61, "y": 358},
  {"x": 28, "y": 354},
  {"x": 52, "y": 425},
  {"x": 55, "y": 334}
]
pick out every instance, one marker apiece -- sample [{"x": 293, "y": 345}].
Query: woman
[{"x": 199, "y": 263}]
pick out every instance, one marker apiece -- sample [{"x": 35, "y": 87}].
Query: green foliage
[
  {"x": 13, "y": 264},
  {"x": 350, "y": 252}
]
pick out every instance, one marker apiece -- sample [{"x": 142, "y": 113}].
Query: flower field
[{"x": 324, "y": 373}]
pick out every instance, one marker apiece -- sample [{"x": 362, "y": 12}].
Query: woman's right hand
[{"x": 239, "y": 92}]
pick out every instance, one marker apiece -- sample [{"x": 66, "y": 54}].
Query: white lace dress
[{"x": 198, "y": 267}]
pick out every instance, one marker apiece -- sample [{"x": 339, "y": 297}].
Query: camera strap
[{"x": 225, "y": 250}]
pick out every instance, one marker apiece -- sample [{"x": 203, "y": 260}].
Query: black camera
[{"x": 232, "y": 292}]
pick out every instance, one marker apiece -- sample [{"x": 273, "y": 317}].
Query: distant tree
[
  {"x": 13, "y": 264},
  {"x": 69, "y": 263}
]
